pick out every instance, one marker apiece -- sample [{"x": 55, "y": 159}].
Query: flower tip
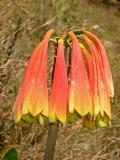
[
  {"x": 51, "y": 30},
  {"x": 49, "y": 33},
  {"x": 82, "y": 46},
  {"x": 70, "y": 33},
  {"x": 17, "y": 117},
  {"x": 61, "y": 41},
  {"x": 86, "y": 32}
]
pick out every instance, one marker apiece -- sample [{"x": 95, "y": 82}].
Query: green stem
[{"x": 51, "y": 141}]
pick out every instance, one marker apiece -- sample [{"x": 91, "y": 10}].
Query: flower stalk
[{"x": 51, "y": 141}]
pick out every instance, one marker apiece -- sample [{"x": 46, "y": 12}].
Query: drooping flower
[
  {"x": 85, "y": 93},
  {"x": 104, "y": 64},
  {"x": 90, "y": 67},
  {"x": 80, "y": 99},
  {"x": 58, "y": 105},
  {"x": 100, "y": 88},
  {"x": 33, "y": 94}
]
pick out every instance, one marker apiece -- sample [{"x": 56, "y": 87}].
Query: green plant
[
  {"x": 83, "y": 90},
  {"x": 10, "y": 154}
]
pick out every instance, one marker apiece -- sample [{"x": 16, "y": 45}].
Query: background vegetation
[{"x": 22, "y": 25}]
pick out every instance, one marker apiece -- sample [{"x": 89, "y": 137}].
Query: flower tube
[
  {"x": 33, "y": 93},
  {"x": 80, "y": 99},
  {"x": 58, "y": 105}
]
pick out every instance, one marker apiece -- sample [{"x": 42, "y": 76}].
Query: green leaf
[
  {"x": 11, "y": 154},
  {"x": 77, "y": 32}
]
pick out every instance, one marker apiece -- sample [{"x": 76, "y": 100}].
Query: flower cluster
[{"x": 80, "y": 90}]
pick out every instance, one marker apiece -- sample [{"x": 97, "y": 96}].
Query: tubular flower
[
  {"x": 102, "y": 109},
  {"x": 58, "y": 104},
  {"x": 104, "y": 64},
  {"x": 89, "y": 61},
  {"x": 89, "y": 120},
  {"x": 83, "y": 89},
  {"x": 80, "y": 98},
  {"x": 33, "y": 94},
  {"x": 104, "y": 101}
]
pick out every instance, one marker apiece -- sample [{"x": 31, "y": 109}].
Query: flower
[
  {"x": 104, "y": 64},
  {"x": 80, "y": 99},
  {"x": 33, "y": 94},
  {"x": 85, "y": 92},
  {"x": 90, "y": 67},
  {"x": 58, "y": 103},
  {"x": 100, "y": 90}
]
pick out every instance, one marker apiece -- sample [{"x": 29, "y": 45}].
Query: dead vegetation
[{"x": 22, "y": 24}]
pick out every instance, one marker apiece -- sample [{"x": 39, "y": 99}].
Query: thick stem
[{"x": 51, "y": 141}]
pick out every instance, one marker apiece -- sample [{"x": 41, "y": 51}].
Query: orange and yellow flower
[
  {"x": 80, "y": 99},
  {"x": 104, "y": 64},
  {"x": 33, "y": 94},
  {"x": 100, "y": 89},
  {"x": 84, "y": 92},
  {"x": 58, "y": 105}
]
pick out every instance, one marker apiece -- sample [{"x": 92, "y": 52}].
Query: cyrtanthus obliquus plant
[{"x": 81, "y": 89}]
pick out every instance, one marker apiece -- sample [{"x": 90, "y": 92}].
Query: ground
[{"x": 22, "y": 25}]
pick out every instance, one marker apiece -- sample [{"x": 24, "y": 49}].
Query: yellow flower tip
[
  {"x": 17, "y": 117},
  {"x": 81, "y": 46},
  {"x": 52, "y": 118},
  {"x": 61, "y": 41}
]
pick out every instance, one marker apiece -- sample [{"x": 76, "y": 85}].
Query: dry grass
[{"x": 22, "y": 25}]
